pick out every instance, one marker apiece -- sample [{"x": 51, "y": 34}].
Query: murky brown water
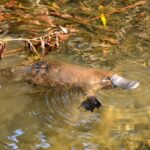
[{"x": 33, "y": 118}]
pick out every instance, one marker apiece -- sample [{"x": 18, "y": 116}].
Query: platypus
[{"x": 56, "y": 73}]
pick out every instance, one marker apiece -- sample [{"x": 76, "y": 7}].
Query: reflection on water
[
  {"x": 35, "y": 118},
  {"x": 13, "y": 138}
]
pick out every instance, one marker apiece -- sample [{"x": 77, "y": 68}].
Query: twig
[
  {"x": 43, "y": 46},
  {"x": 70, "y": 18},
  {"x": 34, "y": 49},
  {"x": 37, "y": 2},
  {"x": 7, "y": 53},
  {"x": 57, "y": 41},
  {"x": 127, "y": 7},
  {"x": 120, "y": 10},
  {"x": 30, "y": 40},
  {"x": 5, "y": 144}
]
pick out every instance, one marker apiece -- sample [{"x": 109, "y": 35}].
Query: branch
[
  {"x": 34, "y": 49},
  {"x": 6, "y": 145},
  {"x": 127, "y": 7},
  {"x": 26, "y": 39},
  {"x": 30, "y": 41},
  {"x": 81, "y": 22},
  {"x": 120, "y": 10}
]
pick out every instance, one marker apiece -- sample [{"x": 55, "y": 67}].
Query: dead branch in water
[
  {"x": 75, "y": 20},
  {"x": 120, "y": 10},
  {"x": 127, "y": 7},
  {"x": 12, "y": 51},
  {"x": 4, "y": 144},
  {"x": 33, "y": 44}
]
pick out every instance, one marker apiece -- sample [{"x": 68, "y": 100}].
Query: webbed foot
[{"x": 91, "y": 103}]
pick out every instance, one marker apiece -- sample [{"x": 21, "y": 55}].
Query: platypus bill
[{"x": 89, "y": 79}]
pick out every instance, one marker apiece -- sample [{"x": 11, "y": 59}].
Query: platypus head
[
  {"x": 118, "y": 81},
  {"x": 112, "y": 81},
  {"x": 36, "y": 73}
]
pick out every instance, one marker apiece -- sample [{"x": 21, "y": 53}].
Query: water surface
[{"x": 35, "y": 118}]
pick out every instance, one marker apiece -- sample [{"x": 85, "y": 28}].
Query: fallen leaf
[
  {"x": 63, "y": 37},
  {"x": 2, "y": 49},
  {"x": 111, "y": 40},
  {"x": 11, "y": 3},
  {"x": 36, "y": 22},
  {"x": 65, "y": 30},
  {"x": 1, "y": 17},
  {"x": 103, "y": 19},
  {"x": 101, "y": 8},
  {"x": 55, "y": 6},
  {"x": 105, "y": 51},
  {"x": 46, "y": 19}
]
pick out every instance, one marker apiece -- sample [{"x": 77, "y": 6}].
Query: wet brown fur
[{"x": 58, "y": 73}]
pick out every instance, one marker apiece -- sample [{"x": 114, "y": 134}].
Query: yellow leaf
[
  {"x": 103, "y": 19},
  {"x": 35, "y": 58},
  {"x": 101, "y": 7},
  {"x": 55, "y": 6},
  {"x": 20, "y": 5}
]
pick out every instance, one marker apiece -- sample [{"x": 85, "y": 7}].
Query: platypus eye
[{"x": 106, "y": 79}]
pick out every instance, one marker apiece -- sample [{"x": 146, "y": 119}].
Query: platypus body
[
  {"x": 59, "y": 73},
  {"x": 53, "y": 73}
]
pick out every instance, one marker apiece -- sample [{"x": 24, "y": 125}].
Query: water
[{"x": 35, "y": 118}]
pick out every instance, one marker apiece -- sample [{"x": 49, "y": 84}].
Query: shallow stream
[{"x": 32, "y": 118}]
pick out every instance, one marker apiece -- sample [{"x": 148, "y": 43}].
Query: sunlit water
[{"x": 35, "y": 118}]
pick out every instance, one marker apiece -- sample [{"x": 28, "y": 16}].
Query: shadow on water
[{"x": 35, "y": 118}]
